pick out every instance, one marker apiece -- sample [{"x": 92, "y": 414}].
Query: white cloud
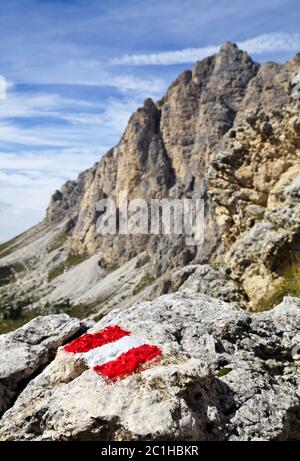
[
  {"x": 39, "y": 104},
  {"x": 26, "y": 198},
  {"x": 149, "y": 86},
  {"x": 166, "y": 58},
  {"x": 267, "y": 43},
  {"x": 27, "y": 192},
  {"x": 14, "y": 221},
  {"x": 37, "y": 158},
  {"x": 3, "y": 206},
  {"x": 87, "y": 72},
  {"x": 64, "y": 163},
  {"x": 65, "y": 122},
  {"x": 271, "y": 43}
]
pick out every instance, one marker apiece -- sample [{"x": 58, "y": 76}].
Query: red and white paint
[{"x": 113, "y": 352}]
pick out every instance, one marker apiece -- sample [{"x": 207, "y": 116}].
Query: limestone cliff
[{"x": 228, "y": 132}]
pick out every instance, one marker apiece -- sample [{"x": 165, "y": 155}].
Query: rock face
[
  {"x": 28, "y": 350},
  {"x": 227, "y": 132},
  {"x": 205, "y": 279},
  {"x": 295, "y": 86},
  {"x": 224, "y": 375}
]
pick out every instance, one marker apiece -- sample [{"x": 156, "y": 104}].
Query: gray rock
[
  {"x": 266, "y": 129},
  {"x": 295, "y": 86},
  {"x": 296, "y": 125},
  {"x": 212, "y": 282},
  {"x": 29, "y": 349},
  {"x": 261, "y": 243},
  {"x": 225, "y": 374}
]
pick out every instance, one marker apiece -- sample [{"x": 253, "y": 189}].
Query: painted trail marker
[{"x": 113, "y": 352}]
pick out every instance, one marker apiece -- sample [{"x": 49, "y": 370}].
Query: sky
[{"x": 73, "y": 71}]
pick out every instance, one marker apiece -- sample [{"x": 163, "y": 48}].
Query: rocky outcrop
[
  {"x": 295, "y": 86},
  {"x": 25, "y": 352},
  {"x": 212, "y": 282},
  {"x": 224, "y": 375},
  {"x": 163, "y": 153},
  {"x": 254, "y": 184},
  {"x": 228, "y": 131}
]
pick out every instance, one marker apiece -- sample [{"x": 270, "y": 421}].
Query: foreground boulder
[
  {"x": 28, "y": 350},
  {"x": 224, "y": 374}
]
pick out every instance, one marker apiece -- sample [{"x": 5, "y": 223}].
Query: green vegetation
[
  {"x": 142, "y": 262},
  {"x": 223, "y": 372},
  {"x": 16, "y": 317},
  {"x": 177, "y": 249},
  {"x": 56, "y": 272},
  {"x": 215, "y": 265},
  {"x": 292, "y": 280},
  {"x": 6, "y": 275},
  {"x": 8, "y": 247},
  {"x": 61, "y": 306},
  {"x": 18, "y": 267},
  {"x": 7, "y": 325},
  {"x": 98, "y": 317},
  {"x": 80, "y": 311},
  {"x": 290, "y": 286},
  {"x": 12, "y": 315},
  {"x": 144, "y": 282},
  {"x": 274, "y": 299},
  {"x": 74, "y": 259},
  {"x": 260, "y": 216}
]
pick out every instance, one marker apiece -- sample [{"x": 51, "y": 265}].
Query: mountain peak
[{"x": 229, "y": 47}]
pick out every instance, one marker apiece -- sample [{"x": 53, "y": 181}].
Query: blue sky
[{"x": 76, "y": 69}]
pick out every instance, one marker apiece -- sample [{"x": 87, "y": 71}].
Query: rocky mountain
[
  {"x": 224, "y": 315},
  {"x": 227, "y": 132}
]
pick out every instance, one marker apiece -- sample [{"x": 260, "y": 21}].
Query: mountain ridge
[{"x": 228, "y": 132}]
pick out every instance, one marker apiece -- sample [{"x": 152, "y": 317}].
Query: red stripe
[
  {"x": 90, "y": 341},
  {"x": 128, "y": 362}
]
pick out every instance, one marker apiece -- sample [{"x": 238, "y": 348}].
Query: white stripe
[{"x": 111, "y": 351}]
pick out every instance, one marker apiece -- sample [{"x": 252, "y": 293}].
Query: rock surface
[
  {"x": 225, "y": 375},
  {"x": 29, "y": 349},
  {"x": 212, "y": 282},
  {"x": 228, "y": 131}
]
